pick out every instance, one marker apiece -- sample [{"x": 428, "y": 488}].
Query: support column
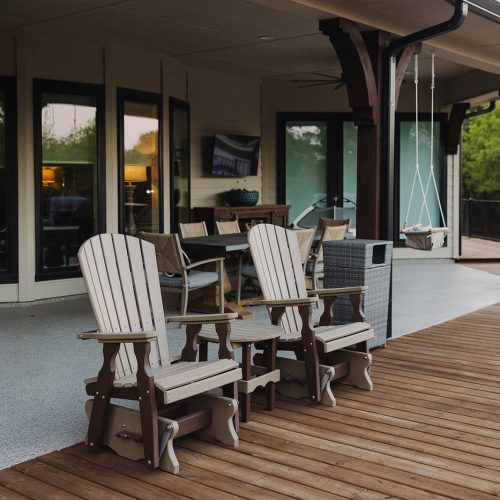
[{"x": 361, "y": 57}]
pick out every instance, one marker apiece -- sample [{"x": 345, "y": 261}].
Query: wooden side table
[{"x": 244, "y": 334}]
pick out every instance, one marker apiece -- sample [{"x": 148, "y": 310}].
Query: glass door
[
  {"x": 69, "y": 166},
  {"x": 179, "y": 163},
  {"x": 140, "y": 162},
  {"x": 8, "y": 182},
  {"x": 306, "y": 153},
  {"x": 317, "y": 162}
]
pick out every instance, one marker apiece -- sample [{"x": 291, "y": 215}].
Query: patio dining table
[{"x": 216, "y": 245}]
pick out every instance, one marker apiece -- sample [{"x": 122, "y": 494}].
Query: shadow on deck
[{"x": 430, "y": 429}]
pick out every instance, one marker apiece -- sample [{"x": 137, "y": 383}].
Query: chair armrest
[
  {"x": 287, "y": 302},
  {"x": 338, "y": 291},
  {"x": 119, "y": 337},
  {"x": 203, "y": 319},
  {"x": 203, "y": 262},
  {"x": 194, "y": 324}
]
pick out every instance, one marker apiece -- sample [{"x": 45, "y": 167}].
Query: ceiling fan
[{"x": 324, "y": 79}]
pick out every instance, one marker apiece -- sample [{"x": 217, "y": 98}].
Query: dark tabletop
[{"x": 215, "y": 245}]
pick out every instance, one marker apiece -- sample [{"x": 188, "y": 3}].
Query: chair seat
[
  {"x": 195, "y": 279},
  {"x": 185, "y": 378},
  {"x": 335, "y": 337},
  {"x": 243, "y": 332},
  {"x": 249, "y": 271}
]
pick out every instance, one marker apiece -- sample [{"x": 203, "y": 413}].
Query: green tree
[{"x": 481, "y": 156}]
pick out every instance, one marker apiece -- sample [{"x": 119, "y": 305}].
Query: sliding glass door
[
  {"x": 69, "y": 165},
  {"x": 139, "y": 161},
  {"x": 317, "y": 161},
  {"x": 306, "y": 164},
  {"x": 8, "y": 182}
]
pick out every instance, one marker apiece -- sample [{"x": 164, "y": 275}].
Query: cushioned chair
[{"x": 178, "y": 274}]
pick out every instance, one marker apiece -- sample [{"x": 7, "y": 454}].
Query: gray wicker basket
[{"x": 356, "y": 263}]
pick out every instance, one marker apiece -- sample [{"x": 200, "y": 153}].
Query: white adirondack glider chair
[
  {"x": 124, "y": 289},
  {"x": 320, "y": 350}
]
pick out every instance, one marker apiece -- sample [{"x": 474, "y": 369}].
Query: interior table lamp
[
  {"x": 48, "y": 176},
  {"x": 133, "y": 174}
]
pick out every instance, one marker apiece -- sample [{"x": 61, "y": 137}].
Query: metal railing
[{"x": 481, "y": 218}]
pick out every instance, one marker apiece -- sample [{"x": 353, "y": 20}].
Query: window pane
[
  {"x": 305, "y": 164},
  {"x": 417, "y": 214},
  {"x": 350, "y": 161},
  {"x": 179, "y": 133},
  {"x": 69, "y": 177},
  {"x": 4, "y": 229},
  {"x": 141, "y": 169}
]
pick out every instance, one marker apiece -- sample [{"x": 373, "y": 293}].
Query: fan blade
[
  {"x": 311, "y": 80},
  {"x": 315, "y": 85},
  {"x": 331, "y": 77}
]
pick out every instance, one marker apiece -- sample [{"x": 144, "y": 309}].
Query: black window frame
[
  {"x": 122, "y": 95},
  {"x": 442, "y": 119},
  {"x": 175, "y": 103},
  {"x": 41, "y": 86},
  {"x": 334, "y": 155},
  {"x": 11, "y": 274}
]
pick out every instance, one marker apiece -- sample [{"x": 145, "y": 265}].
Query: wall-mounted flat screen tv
[{"x": 235, "y": 155}]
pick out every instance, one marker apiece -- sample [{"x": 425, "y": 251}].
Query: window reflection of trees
[{"x": 69, "y": 180}]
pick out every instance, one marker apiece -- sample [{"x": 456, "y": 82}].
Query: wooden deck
[
  {"x": 479, "y": 249},
  {"x": 430, "y": 429}
]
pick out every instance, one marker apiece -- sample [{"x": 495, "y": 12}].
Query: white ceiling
[{"x": 223, "y": 34}]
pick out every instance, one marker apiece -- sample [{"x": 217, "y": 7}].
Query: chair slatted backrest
[
  {"x": 121, "y": 276},
  {"x": 331, "y": 233},
  {"x": 276, "y": 256},
  {"x": 191, "y": 229},
  {"x": 227, "y": 227},
  {"x": 305, "y": 239}
]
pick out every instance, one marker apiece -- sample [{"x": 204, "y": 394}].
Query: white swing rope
[
  {"x": 431, "y": 166},
  {"x": 417, "y": 165}
]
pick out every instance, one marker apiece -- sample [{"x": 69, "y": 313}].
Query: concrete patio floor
[{"x": 43, "y": 365}]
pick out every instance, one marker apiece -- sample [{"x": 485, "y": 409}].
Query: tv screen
[{"x": 235, "y": 155}]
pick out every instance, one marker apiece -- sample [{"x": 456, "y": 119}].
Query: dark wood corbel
[
  {"x": 357, "y": 69},
  {"x": 454, "y": 128}
]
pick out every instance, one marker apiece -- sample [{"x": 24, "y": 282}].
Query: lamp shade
[
  {"x": 135, "y": 173},
  {"x": 48, "y": 176}
]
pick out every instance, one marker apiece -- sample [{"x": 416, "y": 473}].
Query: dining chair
[
  {"x": 325, "y": 221},
  {"x": 314, "y": 266},
  {"x": 178, "y": 274},
  {"x": 232, "y": 227},
  {"x": 305, "y": 238},
  {"x": 192, "y": 229}
]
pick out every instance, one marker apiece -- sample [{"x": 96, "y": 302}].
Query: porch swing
[{"x": 418, "y": 236}]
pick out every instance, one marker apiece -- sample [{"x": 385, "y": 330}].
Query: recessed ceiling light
[{"x": 265, "y": 38}]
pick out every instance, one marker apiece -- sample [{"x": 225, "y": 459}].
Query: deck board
[{"x": 430, "y": 429}]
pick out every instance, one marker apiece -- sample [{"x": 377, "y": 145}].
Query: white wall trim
[
  {"x": 26, "y": 202},
  {"x": 9, "y": 293}
]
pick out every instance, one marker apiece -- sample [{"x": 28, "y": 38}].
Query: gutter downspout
[
  {"x": 483, "y": 111},
  {"x": 389, "y": 107}
]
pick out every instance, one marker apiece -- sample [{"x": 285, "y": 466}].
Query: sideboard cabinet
[{"x": 246, "y": 216}]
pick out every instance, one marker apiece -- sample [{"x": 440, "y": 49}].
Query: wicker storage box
[{"x": 361, "y": 262}]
